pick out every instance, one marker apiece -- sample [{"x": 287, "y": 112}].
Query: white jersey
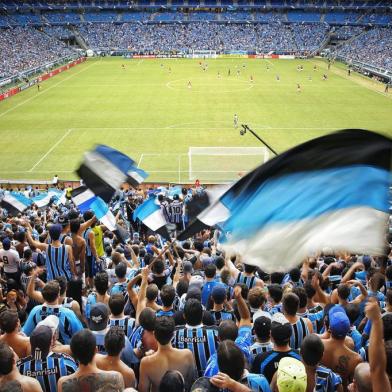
[
  {"x": 10, "y": 259},
  {"x": 176, "y": 208}
]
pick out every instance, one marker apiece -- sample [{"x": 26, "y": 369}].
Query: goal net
[
  {"x": 201, "y": 54},
  {"x": 223, "y": 164}
]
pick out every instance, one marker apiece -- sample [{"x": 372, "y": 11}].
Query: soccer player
[
  {"x": 219, "y": 75},
  {"x": 169, "y": 70},
  {"x": 238, "y": 72},
  {"x": 314, "y": 67},
  {"x": 235, "y": 121},
  {"x": 38, "y": 87},
  {"x": 278, "y": 78},
  {"x": 189, "y": 84},
  {"x": 387, "y": 87},
  {"x": 123, "y": 66},
  {"x": 228, "y": 74},
  {"x": 349, "y": 71},
  {"x": 298, "y": 88},
  {"x": 325, "y": 77},
  {"x": 251, "y": 78}
]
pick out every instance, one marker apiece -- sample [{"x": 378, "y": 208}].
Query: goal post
[{"x": 223, "y": 164}]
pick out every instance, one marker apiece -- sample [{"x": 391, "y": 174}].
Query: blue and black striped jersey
[
  {"x": 47, "y": 370},
  {"x": 326, "y": 380},
  {"x": 220, "y": 315},
  {"x": 57, "y": 262},
  {"x": 300, "y": 331},
  {"x": 249, "y": 281},
  {"x": 69, "y": 324},
  {"x": 126, "y": 323},
  {"x": 201, "y": 340}
]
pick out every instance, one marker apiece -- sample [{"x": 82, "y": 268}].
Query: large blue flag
[{"x": 332, "y": 192}]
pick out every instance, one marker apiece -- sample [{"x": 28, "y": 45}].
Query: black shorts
[{"x": 90, "y": 267}]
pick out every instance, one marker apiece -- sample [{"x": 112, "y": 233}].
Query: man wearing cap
[
  {"x": 98, "y": 324},
  {"x": 10, "y": 378},
  {"x": 10, "y": 260},
  {"x": 262, "y": 331},
  {"x": 290, "y": 376},
  {"x": 219, "y": 297},
  {"x": 337, "y": 356},
  {"x": 268, "y": 362},
  {"x": 64, "y": 238},
  {"x": 59, "y": 257},
  {"x": 43, "y": 364}
]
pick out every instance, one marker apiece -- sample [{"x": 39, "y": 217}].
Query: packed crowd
[
  {"x": 81, "y": 311},
  {"x": 22, "y": 49},
  {"x": 373, "y": 47},
  {"x": 205, "y": 36}
]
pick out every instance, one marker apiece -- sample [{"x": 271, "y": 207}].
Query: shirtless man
[
  {"x": 9, "y": 373},
  {"x": 78, "y": 247},
  {"x": 153, "y": 367},
  {"x": 337, "y": 356},
  {"x": 88, "y": 378},
  {"x": 10, "y": 325},
  {"x": 114, "y": 344}
]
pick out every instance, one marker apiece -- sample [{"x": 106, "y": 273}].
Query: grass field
[{"x": 150, "y": 113}]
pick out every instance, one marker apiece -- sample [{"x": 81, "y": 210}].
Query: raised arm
[
  {"x": 347, "y": 276},
  {"x": 84, "y": 226},
  {"x": 141, "y": 304},
  {"x": 30, "y": 239},
  {"x": 242, "y": 307},
  {"x": 31, "y": 291},
  {"x": 321, "y": 295},
  {"x": 361, "y": 287},
  {"x": 377, "y": 356},
  {"x": 131, "y": 292}
]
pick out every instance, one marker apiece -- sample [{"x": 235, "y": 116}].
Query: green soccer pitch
[{"x": 150, "y": 111}]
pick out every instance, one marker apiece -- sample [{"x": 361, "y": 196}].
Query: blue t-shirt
[
  {"x": 69, "y": 324},
  {"x": 206, "y": 291}
]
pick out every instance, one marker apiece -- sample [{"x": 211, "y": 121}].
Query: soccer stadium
[{"x": 195, "y": 195}]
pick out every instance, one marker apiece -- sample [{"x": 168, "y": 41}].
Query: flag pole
[{"x": 245, "y": 128}]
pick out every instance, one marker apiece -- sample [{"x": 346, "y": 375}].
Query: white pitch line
[
  {"x": 140, "y": 160},
  {"x": 51, "y": 149},
  {"x": 45, "y": 90}
]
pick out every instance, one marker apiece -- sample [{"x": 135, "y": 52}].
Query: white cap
[
  {"x": 51, "y": 321},
  {"x": 261, "y": 313}
]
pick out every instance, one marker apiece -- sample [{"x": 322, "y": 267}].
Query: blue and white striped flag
[
  {"x": 150, "y": 213},
  {"x": 15, "y": 202},
  {"x": 105, "y": 169}
]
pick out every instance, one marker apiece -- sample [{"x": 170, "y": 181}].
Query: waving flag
[
  {"x": 15, "y": 202},
  {"x": 105, "y": 169},
  {"x": 151, "y": 215},
  {"x": 332, "y": 192}
]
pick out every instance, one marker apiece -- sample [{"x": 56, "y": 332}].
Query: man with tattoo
[
  {"x": 154, "y": 367},
  {"x": 88, "y": 378},
  {"x": 10, "y": 378},
  {"x": 337, "y": 356}
]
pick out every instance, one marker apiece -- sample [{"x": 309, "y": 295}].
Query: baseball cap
[
  {"x": 281, "y": 328},
  {"x": 41, "y": 338},
  {"x": 261, "y": 313},
  {"x": 50, "y": 321},
  {"x": 99, "y": 315},
  {"x": 55, "y": 230},
  {"x": 339, "y": 323},
  {"x": 219, "y": 294},
  {"x": 187, "y": 267},
  {"x": 63, "y": 220},
  {"x": 196, "y": 281},
  {"x": 203, "y": 384},
  {"x": 291, "y": 375},
  {"x": 6, "y": 243}
]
